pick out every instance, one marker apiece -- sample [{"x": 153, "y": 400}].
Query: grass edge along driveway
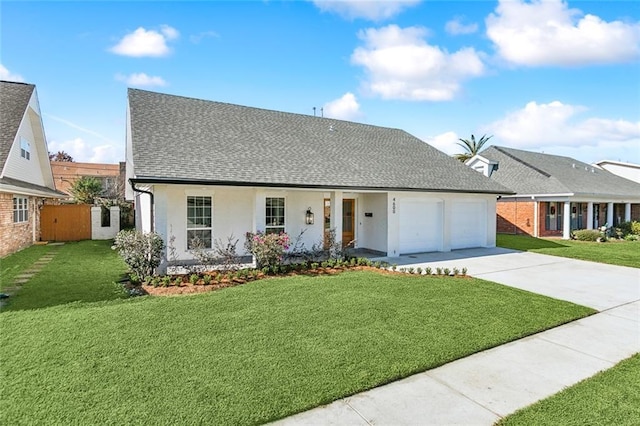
[
  {"x": 613, "y": 252},
  {"x": 253, "y": 353},
  {"x": 611, "y": 397}
]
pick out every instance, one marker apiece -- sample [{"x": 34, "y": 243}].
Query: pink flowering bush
[{"x": 268, "y": 249}]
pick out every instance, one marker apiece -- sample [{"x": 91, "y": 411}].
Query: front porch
[{"x": 559, "y": 218}]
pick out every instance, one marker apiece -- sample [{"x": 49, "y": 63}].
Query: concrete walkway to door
[{"x": 482, "y": 388}]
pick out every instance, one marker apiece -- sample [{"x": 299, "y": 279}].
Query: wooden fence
[{"x": 67, "y": 222}]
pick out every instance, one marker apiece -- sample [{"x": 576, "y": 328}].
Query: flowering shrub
[
  {"x": 268, "y": 249},
  {"x": 141, "y": 252}
]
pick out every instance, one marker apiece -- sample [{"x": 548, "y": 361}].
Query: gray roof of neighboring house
[
  {"x": 533, "y": 173},
  {"x": 178, "y": 139},
  {"x": 14, "y": 98}
]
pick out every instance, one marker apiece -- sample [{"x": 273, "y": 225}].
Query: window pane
[
  {"x": 274, "y": 214},
  {"x": 202, "y": 236}
]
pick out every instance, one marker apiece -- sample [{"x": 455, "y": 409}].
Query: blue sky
[{"x": 556, "y": 77}]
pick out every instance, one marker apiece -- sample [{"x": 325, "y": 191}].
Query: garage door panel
[
  {"x": 468, "y": 224},
  {"x": 420, "y": 226}
]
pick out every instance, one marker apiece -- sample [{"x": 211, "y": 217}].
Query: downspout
[{"x": 144, "y": 191}]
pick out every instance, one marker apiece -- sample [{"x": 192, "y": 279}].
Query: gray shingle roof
[
  {"x": 14, "y": 98},
  {"x": 533, "y": 173},
  {"x": 179, "y": 139}
]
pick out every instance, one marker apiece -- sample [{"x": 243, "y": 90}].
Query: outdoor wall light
[{"x": 308, "y": 218}]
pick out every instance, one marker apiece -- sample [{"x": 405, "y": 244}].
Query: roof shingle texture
[
  {"x": 14, "y": 98},
  {"x": 182, "y": 138},
  {"x": 533, "y": 173}
]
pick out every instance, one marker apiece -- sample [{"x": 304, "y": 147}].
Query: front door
[{"x": 348, "y": 221}]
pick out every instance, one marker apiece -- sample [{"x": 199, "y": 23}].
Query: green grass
[
  {"x": 252, "y": 353},
  {"x": 612, "y": 397},
  {"x": 85, "y": 271},
  {"x": 622, "y": 253},
  {"x": 16, "y": 263}
]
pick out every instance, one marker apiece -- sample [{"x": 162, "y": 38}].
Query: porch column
[
  {"x": 627, "y": 212},
  {"x": 336, "y": 214},
  {"x": 590, "y": 215},
  {"x": 609, "y": 214},
  {"x": 566, "y": 221},
  {"x": 536, "y": 217}
]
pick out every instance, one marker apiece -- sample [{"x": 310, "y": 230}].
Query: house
[
  {"x": 626, "y": 170},
  {"x": 111, "y": 176},
  {"x": 26, "y": 180},
  {"x": 207, "y": 169},
  {"x": 555, "y": 194}
]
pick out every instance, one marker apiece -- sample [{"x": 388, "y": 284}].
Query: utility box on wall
[{"x": 105, "y": 225}]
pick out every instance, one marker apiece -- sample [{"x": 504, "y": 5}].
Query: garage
[
  {"x": 468, "y": 224},
  {"x": 420, "y": 226}
]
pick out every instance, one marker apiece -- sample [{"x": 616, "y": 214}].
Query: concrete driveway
[
  {"x": 482, "y": 388},
  {"x": 596, "y": 285}
]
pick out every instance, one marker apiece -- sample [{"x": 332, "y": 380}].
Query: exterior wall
[
  {"x": 372, "y": 229},
  {"x": 542, "y": 225},
  {"x": 65, "y": 173},
  {"x": 625, "y": 170},
  {"x": 515, "y": 217},
  {"x": 635, "y": 212},
  {"x": 99, "y": 232},
  {"x": 16, "y": 236}
]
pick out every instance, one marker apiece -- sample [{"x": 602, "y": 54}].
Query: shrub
[
  {"x": 142, "y": 252},
  {"x": 635, "y": 227},
  {"x": 631, "y": 237},
  {"x": 446, "y": 271},
  {"x": 587, "y": 235},
  {"x": 464, "y": 271},
  {"x": 194, "y": 278},
  {"x": 419, "y": 270},
  {"x": 456, "y": 271},
  {"x": 268, "y": 249},
  {"x": 427, "y": 270}
]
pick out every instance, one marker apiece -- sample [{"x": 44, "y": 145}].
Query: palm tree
[{"x": 471, "y": 146}]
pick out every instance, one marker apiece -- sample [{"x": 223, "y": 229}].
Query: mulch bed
[{"x": 188, "y": 288}]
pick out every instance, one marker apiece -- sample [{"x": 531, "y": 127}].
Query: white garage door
[
  {"x": 420, "y": 226},
  {"x": 468, "y": 224}
]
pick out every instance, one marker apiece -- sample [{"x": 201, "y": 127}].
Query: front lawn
[
  {"x": 84, "y": 271},
  {"x": 612, "y": 397},
  {"x": 622, "y": 253},
  {"x": 253, "y": 353}
]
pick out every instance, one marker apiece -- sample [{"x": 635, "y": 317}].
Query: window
[
  {"x": 20, "y": 209},
  {"x": 199, "y": 222},
  {"x": 274, "y": 215},
  {"x": 25, "y": 149}
]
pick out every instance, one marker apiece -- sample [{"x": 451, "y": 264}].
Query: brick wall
[
  {"x": 515, "y": 217},
  {"x": 16, "y": 236}
]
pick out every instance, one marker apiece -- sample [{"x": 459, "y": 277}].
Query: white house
[
  {"x": 629, "y": 171},
  {"x": 211, "y": 169},
  {"x": 25, "y": 178}
]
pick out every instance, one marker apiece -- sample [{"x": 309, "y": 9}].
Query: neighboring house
[
  {"x": 25, "y": 179},
  {"x": 111, "y": 176},
  {"x": 215, "y": 169},
  {"x": 626, "y": 170},
  {"x": 555, "y": 194}
]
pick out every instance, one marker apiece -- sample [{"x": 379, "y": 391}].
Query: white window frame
[
  {"x": 25, "y": 149},
  {"x": 275, "y": 227},
  {"x": 208, "y": 244},
  {"x": 20, "y": 209}
]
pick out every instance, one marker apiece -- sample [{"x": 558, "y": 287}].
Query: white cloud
[
  {"x": 141, "y": 80},
  {"x": 456, "y": 26},
  {"x": 197, "y": 38},
  {"x": 374, "y": 10},
  {"x": 143, "y": 42},
  {"x": 343, "y": 108},
  {"x": 400, "y": 64},
  {"x": 7, "y": 75},
  {"x": 84, "y": 152},
  {"x": 556, "y": 124},
  {"x": 445, "y": 142},
  {"x": 549, "y": 33}
]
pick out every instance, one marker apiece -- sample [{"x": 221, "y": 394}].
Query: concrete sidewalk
[{"x": 482, "y": 388}]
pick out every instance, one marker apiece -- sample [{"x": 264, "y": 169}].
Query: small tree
[
  {"x": 61, "y": 156},
  {"x": 471, "y": 147},
  {"x": 86, "y": 189}
]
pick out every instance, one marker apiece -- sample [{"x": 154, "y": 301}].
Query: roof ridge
[
  {"x": 130, "y": 89},
  {"x": 513, "y": 157}
]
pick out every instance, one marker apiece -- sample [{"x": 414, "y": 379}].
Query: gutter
[
  {"x": 178, "y": 181},
  {"x": 143, "y": 191}
]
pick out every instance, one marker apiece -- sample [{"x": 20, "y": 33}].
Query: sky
[{"x": 547, "y": 76}]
